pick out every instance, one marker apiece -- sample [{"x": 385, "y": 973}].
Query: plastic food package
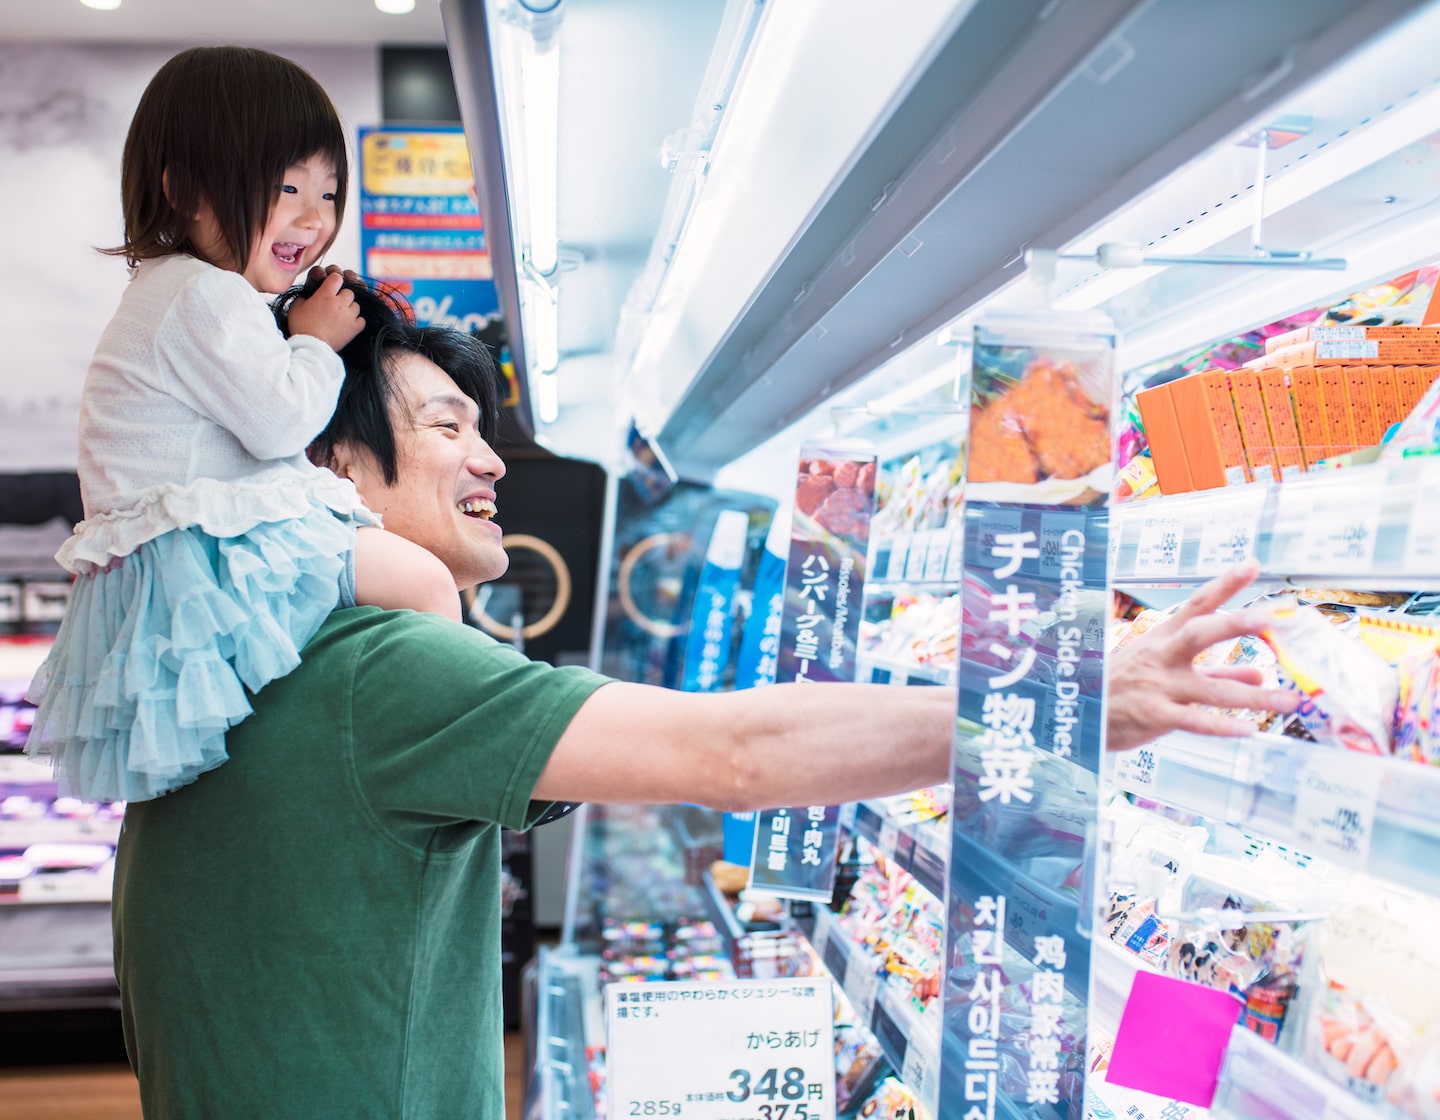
[
  {"x": 1349, "y": 691},
  {"x": 1373, "y": 1016},
  {"x": 1413, "y": 648}
]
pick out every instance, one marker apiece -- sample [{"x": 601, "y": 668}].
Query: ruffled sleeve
[{"x": 222, "y": 355}]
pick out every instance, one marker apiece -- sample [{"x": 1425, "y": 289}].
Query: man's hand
[
  {"x": 1155, "y": 687},
  {"x": 329, "y": 313}
]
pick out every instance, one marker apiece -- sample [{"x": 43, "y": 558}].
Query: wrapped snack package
[
  {"x": 1413, "y": 648},
  {"x": 1349, "y": 691}
]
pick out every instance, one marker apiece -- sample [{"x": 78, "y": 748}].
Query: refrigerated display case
[{"x": 772, "y": 245}]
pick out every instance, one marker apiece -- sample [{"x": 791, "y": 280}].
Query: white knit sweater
[{"x": 197, "y": 411}]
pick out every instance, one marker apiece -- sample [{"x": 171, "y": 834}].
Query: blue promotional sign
[
  {"x": 420, "y": 227},
  {"x": 707, "y": 646},
  {"x": 1030, "y": 727},
  {"x": 756, "y": 663},
  {"x": 824, "y": 579}
]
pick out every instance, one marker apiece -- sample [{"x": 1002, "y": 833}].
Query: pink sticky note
[{"x": 1172, "y": 1038}]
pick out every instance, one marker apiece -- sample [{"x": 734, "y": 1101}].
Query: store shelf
[
  {"x": 58, "y": 830},
  {"x": 722, "y": 914},
  {"x": 920, "y": 559},
  {"x": 921, "y": 850},
  {"x": 564, "y": 1022},
  {"x": 21, "y": 769},
  {"x": 1380, "y": 815},
  {"x": 873, "y": 669},
  {"x": 1370, "y": 526},
  {"x": 1258, "y": 1081},
  {"x": 56, "y": 955},
  {"x": 910, "y": 1041}
]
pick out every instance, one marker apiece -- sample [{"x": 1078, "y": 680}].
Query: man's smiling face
[{"x": 444, "y": 496}]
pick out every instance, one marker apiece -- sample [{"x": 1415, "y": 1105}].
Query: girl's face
[{"x": 301, "y": 222}]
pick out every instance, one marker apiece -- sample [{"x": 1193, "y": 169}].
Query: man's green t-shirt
[{"x": 313, "y": 929}]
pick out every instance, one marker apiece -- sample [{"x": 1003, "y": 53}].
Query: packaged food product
[
  {"x": 1374, "y": 1010},
  {"x": 1413, "y": 648},
  {"x": 1349, "y": 692}
]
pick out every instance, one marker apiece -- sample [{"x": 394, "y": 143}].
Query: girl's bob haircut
[{"x": 221, "y": 125}]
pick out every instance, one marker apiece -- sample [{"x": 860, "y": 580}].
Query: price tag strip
[
  {"x": 1229, "y": 530},
  {"x": 1158, "y": 552},
  {"x": 1331, "y": 529},
  {"x": 1422, "y": 532},
  {"x": 1335, "y": 797},
  {"x": 738, "y": 1050},
  {"x": 1135, "y": 770}
]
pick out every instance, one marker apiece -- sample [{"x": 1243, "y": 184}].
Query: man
[{"x": 312, "y": 930}]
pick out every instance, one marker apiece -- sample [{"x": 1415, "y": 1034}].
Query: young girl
[{"x": 211, "y": 548}]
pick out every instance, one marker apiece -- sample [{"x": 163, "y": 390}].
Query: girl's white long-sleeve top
[{"x": 197, "y": 411}]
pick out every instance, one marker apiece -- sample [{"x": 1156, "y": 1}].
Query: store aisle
[{"x": 109, "y": 1092}]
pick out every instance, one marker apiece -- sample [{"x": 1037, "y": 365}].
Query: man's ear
[{"x": 342, "y": 460}]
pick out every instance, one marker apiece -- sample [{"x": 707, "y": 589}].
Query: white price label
[
  {"x": 936, "y": 551},
  {"x": 862, "y": 984},
  {"x": 889, "y": 837},
  {"x": 733, "y": 1050},
  {"x": 915, "y": 561},
  {"x": 899, "y": 550},
  {"x": 1158, "y": 553},
  {"x": 920, "y": 1073},
  {"x": 1112, "y": 547},
  {"x": 1335, "y": 797},
  {"x": 1228, "y": 531},
  {"x": 1422, "y": 532},
  {"x": 820, "y": 933},
  {"x": 1334, "y": 529},
  {"x": 955, "y": 558},
  {"x": 1135, "y": 770}
]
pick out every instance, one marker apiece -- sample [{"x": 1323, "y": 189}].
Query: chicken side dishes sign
[{"x": 1030, "y": 717}]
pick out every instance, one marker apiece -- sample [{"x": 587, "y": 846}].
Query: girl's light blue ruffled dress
[{"x": 157, "y": 652}]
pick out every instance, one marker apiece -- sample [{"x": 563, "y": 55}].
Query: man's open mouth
[{"x": 478, "y": 507}]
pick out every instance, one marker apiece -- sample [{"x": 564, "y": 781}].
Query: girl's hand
[
  {"x": 329, "y": 313},
  {"x": 1155, "y": 687}
]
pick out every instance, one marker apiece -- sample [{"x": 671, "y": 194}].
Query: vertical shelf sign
[
  {"x": 420, "y": 227},
  {"x": 1030, "y": 721},
  {"x": 758, "y": 659},
  {"x": 707, "y": 646},
  {"x": 795, "y": 848}
]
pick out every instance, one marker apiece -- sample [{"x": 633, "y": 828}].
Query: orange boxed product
[
  {"x": 1209, "y": 430},
  {"x": 1387, "y": 401},
  {"x": 1349, "y": 334},
  {"x": 1412, "y": 382},
  {"x": 1363, "y": 420},
  {"x": 1162, "y": 432},
  {"x": 1349, "y": 352},
  {"x": 1338, "y": 432},
  {"x": 1254, "y": 428},
  {"x": 1280, "y": 412},
  {"x": 1221, "y": 406},
  {"x": 1309, "y": 414}
]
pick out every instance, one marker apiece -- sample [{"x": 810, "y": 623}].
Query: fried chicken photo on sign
[
  {"x": 998, "y": 451},
  {"x": 1069, "y": 432},
  {"x": 1044, "y": 427}
]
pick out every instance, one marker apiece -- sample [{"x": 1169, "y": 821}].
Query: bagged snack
[
  {"x": 1349, "y": 692},
  {"x": 1413, "y": 648}
]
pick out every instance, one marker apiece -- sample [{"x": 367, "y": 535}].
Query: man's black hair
[{"x": 362, "y": 414}]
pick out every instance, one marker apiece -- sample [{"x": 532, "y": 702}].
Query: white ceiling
[{"x": 253, "y": 22}]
